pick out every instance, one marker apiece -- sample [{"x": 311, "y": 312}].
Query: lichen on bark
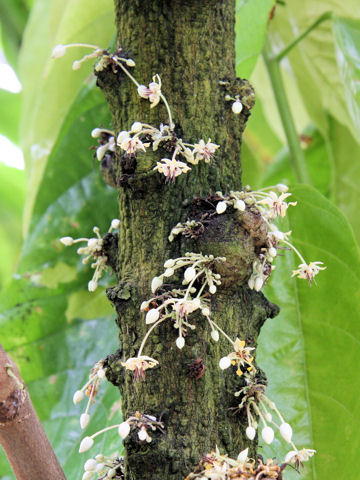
[{"x": 191, "y": 46}]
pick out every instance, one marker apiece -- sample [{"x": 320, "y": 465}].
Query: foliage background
[{"x": 55, "y": 330}]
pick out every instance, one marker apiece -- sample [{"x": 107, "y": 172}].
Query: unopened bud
[
  {"x": 151, "y": 316},
  {"x": 86, "y": 444},
  {"x": 180, "y": 342},
  {"x": 67, "y": 241},
  {"x": 58, "y": 51},
  {"x": 156, "y": 283},
  {"x": 78, "y": 396},
  {"x": 250, "y": 432},
  {"x": 267, "y": 434},
  {"x": 221, "y": 207},
  {"x": 237, "y": 107},
  {"x": 189, "y": 274},
  {"x": 124, "y": 429},
  {"x": 84, "y": 420},
  {"x": 90, "y": 465},
  {"x": 286, "y": 431},
  {"x": 224, "y": 363},
  {"x": 136, "y": 127}
]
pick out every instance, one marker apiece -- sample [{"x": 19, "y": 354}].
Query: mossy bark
[{"x": 190, "y": 44}]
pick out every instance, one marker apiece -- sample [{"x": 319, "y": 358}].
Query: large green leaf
[
  {"x": 311, "y": 349},
  {"x": 50, "y": 86},
  {"x": 314, "y": 60},
  {"x": 9, "y": 123},
  {"x": 12, "y": 195},
  {"x": 251, "y": 23},
  {"x": 44, "y": 324}
]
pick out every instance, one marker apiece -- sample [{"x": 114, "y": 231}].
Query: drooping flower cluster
[
  {"x": 257, "y": 404},
  {"x": 94, "y": 251},
  {"x": 270, "y": 205},
  {"x": 103, "y": 467},
  {"x": 91, "y": 388},
  {"x": 221, "y": 467}
]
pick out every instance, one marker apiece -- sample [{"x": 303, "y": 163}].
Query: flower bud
[
  {"x": 215, "y": 335},
  {"x": 280, "y": 187},
  {"x": 115, "y": 223},
  {"x": 224, "y": 363},
  {"x": 76, "y": 65},
  {"x": 92, "y": 243},
  {"x": 272, "y": 252},
  {"x": 100, "y": 457},
  {"x": 205, "y": 311},
  {"x": 156, "y": 282},
  {"x": 258, "y": 284},
  {"x": 268, "y": 417},
  {"x": 251, "y": 282},
  {"x": 180, "y": 342},
  {"x": 88, "y": 476},
  {"x": 111, "y": 473},
  {"x": 84, "y": 420},
  {"x": 169, "y": 263},
  {"x": 92, "y": 286},
  {"x": 100, "y": 467},
  {"x": 100, "y": 152},
  {"x": 144, "y": 306},
  {"x": 90, "y": 465},
  {"x": 142, "y": 91},
  {"x": 101, "y": 373},
  {"x": 240, "y": 205},
  {"x": 221, "y": 207},
  {"x": 189, "y": 274},
  {"x": 151, "y": 316},
  {"x": 142, "y": 434},
  {"x": 86, "y": 444},
  {"x": 96, "y": 132},
  {"x": 136, "y": 127},
  {"x": 267, "y": 434},
  {"x": 286, "y": 431},
  {"x": 130, "y": 62},
  {"x": 58, "y": 51},
  {"x": 124, "y": 429},
  {"x": 212, "y": 289},
  {"x": 78, "y": 396},
  {"x": 250, "y": 432},
  {"x": 242, "y": 457},
  {"x": 237, "y": 107},
  {"x": 169, "y": 272},
  {"x": 67, "y": 241}
]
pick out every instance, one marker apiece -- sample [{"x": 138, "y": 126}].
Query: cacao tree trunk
[{"x": 190, "y": 44}]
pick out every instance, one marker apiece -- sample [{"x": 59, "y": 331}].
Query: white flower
[
  {"x": 224, "y": 363},
  {"x": 276, "y": 204},
  {"x": 189, "y": 274},
  {"x": 156, "y": 282},
  {"x": 250, "y": 432},
  {"x": 122, "y": 136},
  {"x": 308, "y": 272},
  {"x": 221, "y": 207},
  {"x": 184, "y": 307},
  {"x": 243, "y": 455},
  {"x": 84, "y": 420},
  {"x": 124, "y": 429},
  {"x": 286, "y": 431},
  {"x": 131, "y": 145},
  {"x": 90, "y": 465},
  {"x": 151, "y": 316},
  {"x": 267, "y": 434},
  {"x": 171, "y": 168},
  {"x": 86, "y": 444},
  {"x": 180, "y": 342},
  {"x": 58, "y": 51},
  {"x": 237, "y": 107},
  {"x": 152, "y": 92},
  {"x": 78, "y": 396},
  {"x": 297, "y": 457},
  {"x": 139, "y": 364},
  {"x": 204, "y": 151},
  {"x": 67, "y": 241}
]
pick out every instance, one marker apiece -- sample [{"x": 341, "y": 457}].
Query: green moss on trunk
[{"x": 190, "y": 44}]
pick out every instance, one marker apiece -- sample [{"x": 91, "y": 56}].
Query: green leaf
[
  {"x": 12, "y": 194},
  {"x": 310, "y": 350},
  {"x": 50, "y": 86},
  {"x": 317, "y": 160},
  {"x": 347, "y": 38},
  {"x": 13, "y": 17},
  {"x": 314, "y": 59},
  {"x": 250, "y": 27},
  {"x": 44, "y": 324},
  {"x": 9, "y": 123}
]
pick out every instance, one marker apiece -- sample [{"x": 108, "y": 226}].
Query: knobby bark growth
[{"x": 191, "y": 46}]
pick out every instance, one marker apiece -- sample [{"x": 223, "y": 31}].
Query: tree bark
[
  {"x": 190, "y": 44},
  {"x": 21, "y": 433}
]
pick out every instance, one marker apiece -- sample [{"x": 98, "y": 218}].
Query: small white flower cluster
[
  {"x": 241, "y": 357},
  {"x": 254, "y": 398},
  {"x": 93, "y": 251},
  {"x": 142, "y": 423},
  {"x": 270, "y": 205},
  {"x": 91, "y": 388},
  {"x": 215, "y": 466},
  {"x": 104, "y": 467},
  {"x": 189, "y": 229}
]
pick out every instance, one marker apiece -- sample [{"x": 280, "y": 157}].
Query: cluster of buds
[
  {"x": 221, "y": 467},
  {"x": 270, "y": 205},
  {"x": 141, "y": 423},
  {"x": 189, "y": 229},
  {"x": 236, "y": 106},
  {"x": 90, "y": 389},
  {"x": 93, "y": 251},
  {"x": 103, "y": 467},
  {"x": 257, "y": 404}
]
